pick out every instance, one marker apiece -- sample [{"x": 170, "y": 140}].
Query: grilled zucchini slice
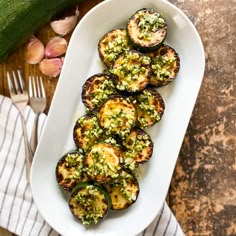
[
  {"x": 133, "y": 71},
  {"x": 97, "y": 89},
  {"x": 124, "y": 191},
  {"x": 113, "y": 140},
  {"x": 89, "y": 203},
  {"x": 146, "y": 29},
  {"x": 102, "y": 162},
  {"x": 139, "y": 148},
  {"x": 165, "y": 65},
  {"x": 69, "y": 170},
  {"x": 86, "y": 131},
  {"x": 150, "y": 107},
  {"x": 112, "y": 45},
  {"x": 117, "y": 116}
]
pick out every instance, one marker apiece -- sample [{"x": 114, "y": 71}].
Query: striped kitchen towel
[{"x": 18, "y": 213}]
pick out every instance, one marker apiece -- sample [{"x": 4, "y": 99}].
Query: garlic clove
[
  {"x": 51, "y": 67},
  {"x": 65, "y": 25},
  {"x": 34, "y": 51},
  {"x": 55, "y": 47}
]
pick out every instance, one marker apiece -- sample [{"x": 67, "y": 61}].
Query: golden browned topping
[{"x": 117, "y": 116}]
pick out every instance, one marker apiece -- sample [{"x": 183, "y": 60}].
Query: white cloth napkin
[{"x": 18, "y": 213}]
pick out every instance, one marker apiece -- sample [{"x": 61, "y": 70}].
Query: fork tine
[
  {"x": 30, "y": 87},
  {"x": 22, "y": 82},
  {"x": 10, "y": 85},
  {"x": 42, "y": 87},
  {"x": 38, "y": 87},
  {"x": 16, "y": 83},
  {"x": 38, "y": 104},
  {"x": 34, "y": 87}
]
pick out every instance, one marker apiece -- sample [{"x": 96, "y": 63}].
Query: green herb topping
[
  {"x": 149, "y": 23},
  {"x": 162, "y": 66},
  {"x": 102, "y": 93},
  {"x": 115, "y": 47},
  {"x": 88, "y": 200}
]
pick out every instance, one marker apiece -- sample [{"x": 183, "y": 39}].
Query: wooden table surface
[{"x": 202, "y": 194}]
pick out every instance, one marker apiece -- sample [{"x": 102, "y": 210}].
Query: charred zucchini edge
[
  {"x": 154, "y": 120},
  {"x": 124, "y": 196},
  {"x": 106, "y": 197},
  {"x": 79, "y": 141},
  {"x": 134, "y": 155},
  {"x": 93, "y": 95},
  {"x": 133, "y": 39},
  {"x": 121, "y": 44},
  {"x": 74, "y": 181},
  {"x": 171, "y": 72}
]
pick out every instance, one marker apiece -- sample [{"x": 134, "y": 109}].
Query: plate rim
[{"x": 56, "y": 91}]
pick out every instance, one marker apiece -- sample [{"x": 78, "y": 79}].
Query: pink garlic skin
[
  {"x": 51, "y": 67},
  {"x": 34, "y": 51},
  {"x": 65, "y": 25},
  {"x": 55, "y": 47}
]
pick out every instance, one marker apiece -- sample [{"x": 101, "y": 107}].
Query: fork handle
[
  {"x": 28, "y": 151},
  {"x": 34, "y": 135}
]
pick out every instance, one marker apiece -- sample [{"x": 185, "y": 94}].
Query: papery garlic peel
[
  {"x": 65, "y": 25},
  {"x": 55, "y": 47},
  {"x": 34, "y": 51},
  {"x": 51, "y": 67}
]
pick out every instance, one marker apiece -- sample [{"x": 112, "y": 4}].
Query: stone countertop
[{"x": 203, "y": 189}]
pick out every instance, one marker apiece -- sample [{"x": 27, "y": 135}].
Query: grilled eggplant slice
[
  {"x": 165, "y": 65},
  {"x": 112, "y": 45},
  {"x": 102, "y": 162},
  {"x": 146, "y": 29},
  {"x": 124, "y": 191},
  {"x": 117, "y": 116},
  {"x": 133, "y": 71},
  {"x": 139, "y": 148},
  {"x": 86, "y": 131},
  {"x": 97, "y": 89},
  {"x": 69, "y": 170},
  {"x": 89, "y": 203},
  {"x": 150, "y": 107}
]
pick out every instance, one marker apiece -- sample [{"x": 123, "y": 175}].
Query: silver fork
[
  {"x": 20, "y": 98},
  {"x": 38, "y": 103}
]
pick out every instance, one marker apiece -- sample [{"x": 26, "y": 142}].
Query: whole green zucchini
[{"x": 19, "y": 19}]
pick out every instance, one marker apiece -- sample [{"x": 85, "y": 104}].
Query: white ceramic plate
[{"x": 81, "y": 62}]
